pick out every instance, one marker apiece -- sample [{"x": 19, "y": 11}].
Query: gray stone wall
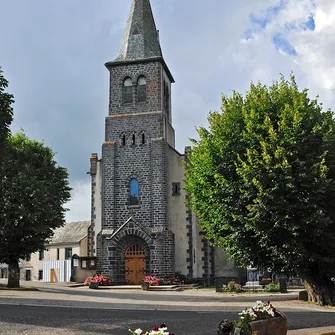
[
  {"x": 152, "y": 71},
  {"x": 146, "y": 163},
  {"x": 92, "y": 229},
  {"x": 126, "y": 154},
  {"x": 108, "y": 185}
]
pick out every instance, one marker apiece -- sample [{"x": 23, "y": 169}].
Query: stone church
[{"x": 140, "y": 223}]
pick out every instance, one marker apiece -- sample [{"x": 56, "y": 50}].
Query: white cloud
[
  {"x": 313, "y": 65},
  {"x": 62, "y": 95},
  {"x": 80, "y": 205}
]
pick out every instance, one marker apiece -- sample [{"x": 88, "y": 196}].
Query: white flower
[{"x": 138, "y": 331}]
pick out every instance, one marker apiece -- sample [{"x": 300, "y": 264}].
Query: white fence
[{"x": 56, "y": 271}]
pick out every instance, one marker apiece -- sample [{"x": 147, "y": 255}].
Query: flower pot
[
  {"x": 225, "y": 327},
  {"x": 273, "y": 326},
  {"x": 94, "y": 286},
  {"x": 237, "y": 331},
  {"x": 145, "y": 286}
]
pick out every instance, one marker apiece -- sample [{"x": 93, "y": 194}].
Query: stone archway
[
  {"x": 129, "y": 240},
  {"x": 135, "y": 264}
]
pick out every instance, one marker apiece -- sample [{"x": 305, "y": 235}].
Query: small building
[{"x": 56, "y": 263}]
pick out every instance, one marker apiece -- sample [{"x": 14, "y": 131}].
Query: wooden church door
[{"x": 135, "y": 259}]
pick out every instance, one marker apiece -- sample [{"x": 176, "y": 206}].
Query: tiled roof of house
[{"x": 71, "y": 232}]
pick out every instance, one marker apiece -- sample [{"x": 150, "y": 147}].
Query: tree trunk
[
  {"x": 320, "y": 291},
  {"x": 13, "y": 274},
  {"x": 283, "y": 284}
]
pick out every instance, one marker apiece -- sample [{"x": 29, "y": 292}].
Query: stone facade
[{"x": 139, "y": 148}]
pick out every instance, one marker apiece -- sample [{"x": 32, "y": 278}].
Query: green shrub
[{"x": 272, "y": 288}]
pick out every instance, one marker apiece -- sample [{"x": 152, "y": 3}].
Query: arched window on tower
[
  {"x": 142, "y": 89},
  {"x": 133, "y": 139},
  {"x": 123, "y": 140},
  {"x": 127, "y": 91},
  {"x": 133, "y": 192},
  {"x": 143, "y": 138}
]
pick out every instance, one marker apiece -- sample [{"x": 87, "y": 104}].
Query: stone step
[
  {"x": 116, "y": 287},
  {"x": 165, "y": 288},
  {"x": 190, "y": 286},
  {"x": 253, "y": 288}
]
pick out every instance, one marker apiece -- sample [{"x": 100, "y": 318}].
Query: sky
[{"x": 53, "y": 54}]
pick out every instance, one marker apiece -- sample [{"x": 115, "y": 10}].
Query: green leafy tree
[
  {"x": 33, "y": 193},
  {"x": 261, "y": 180},
  {"x": 6, "y": 110}
]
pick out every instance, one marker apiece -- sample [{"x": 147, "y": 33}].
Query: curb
[{"x": 313, "y": 331}]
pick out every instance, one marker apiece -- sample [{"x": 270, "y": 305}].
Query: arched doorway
[{"x": 135, "y": 264}]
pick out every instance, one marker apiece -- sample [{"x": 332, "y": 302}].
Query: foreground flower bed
[
  {"x": 161, "y": 330},
  {"x": 262, "y": 319}
]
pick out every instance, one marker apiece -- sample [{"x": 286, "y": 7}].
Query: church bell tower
[{"x": 130, "y": 233}]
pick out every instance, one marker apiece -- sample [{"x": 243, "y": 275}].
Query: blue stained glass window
[{"x": 134, "y": 194}]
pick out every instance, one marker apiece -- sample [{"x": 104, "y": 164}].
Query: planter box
[{"x": 274, "y": 326}]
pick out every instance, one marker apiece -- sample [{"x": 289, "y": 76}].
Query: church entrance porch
[
  {"x": 135, "y": 264},
  {"x": 135, "y": 251},
  {"x": 129, "y": 255}
]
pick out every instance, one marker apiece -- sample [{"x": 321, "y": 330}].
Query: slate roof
[
  {"x": 140, "y": 39},
  {"x": 70, "y": 233}
]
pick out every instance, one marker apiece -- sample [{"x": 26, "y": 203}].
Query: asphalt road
[
  {"x": 58, "y": 310},
  {"x": 21, "y": 319}
]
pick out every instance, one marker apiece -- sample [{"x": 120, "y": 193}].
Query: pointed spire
[{"x": 140, "y": 39}]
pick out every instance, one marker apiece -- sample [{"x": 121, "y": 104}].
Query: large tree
[
  {"x": 262, "y": 182},
  {"x": 34, "y": 190},
  {"x": 6, "y": 110}
]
